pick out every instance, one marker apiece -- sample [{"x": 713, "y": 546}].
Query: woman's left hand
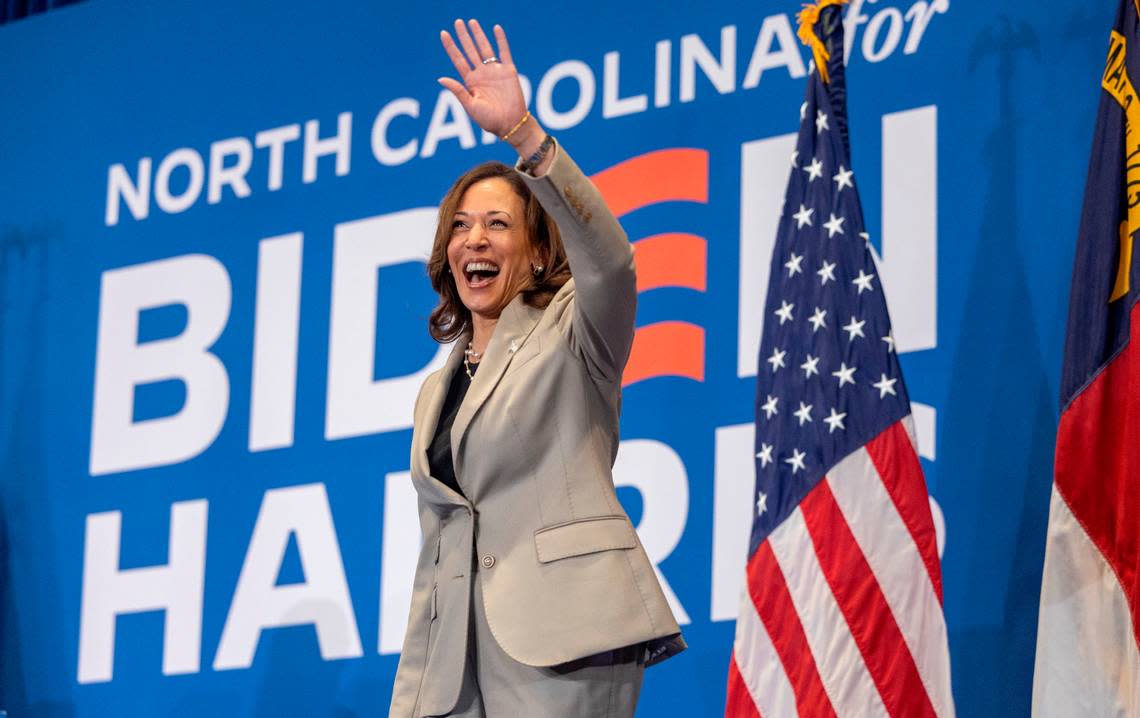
[{"x": 490, "y": 91}]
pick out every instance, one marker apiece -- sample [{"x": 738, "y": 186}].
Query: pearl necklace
[{"x": 474, "y": 357}]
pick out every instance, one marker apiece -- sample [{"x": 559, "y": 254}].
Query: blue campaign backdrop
[{"x": 163, "y": 182}]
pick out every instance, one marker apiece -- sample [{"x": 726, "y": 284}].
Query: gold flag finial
[{"x": 807, "y": 19}]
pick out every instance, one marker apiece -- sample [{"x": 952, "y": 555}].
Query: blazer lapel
[
  {"x": 435, "y": 402},
  {"x": 430, "y": 422},
  {"x": 516, "y": 323}
]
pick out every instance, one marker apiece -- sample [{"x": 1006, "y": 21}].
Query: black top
[{"x": 439, "y": 451}]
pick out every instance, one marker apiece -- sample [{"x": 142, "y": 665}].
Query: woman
[{"x": 533, "y": 596}]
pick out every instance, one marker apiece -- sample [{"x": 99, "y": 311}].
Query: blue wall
[{"x": 1006, "y": 90}]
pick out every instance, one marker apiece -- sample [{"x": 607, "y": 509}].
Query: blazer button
[{"x": 488, "y": 561}]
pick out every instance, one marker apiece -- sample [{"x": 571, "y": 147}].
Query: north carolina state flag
[{"x": 1087, "y": 658}]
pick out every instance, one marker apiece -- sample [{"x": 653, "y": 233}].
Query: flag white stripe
[
  {"x": 898, "y": 567},
  {"x": 760, "y": 665},
  {"x": 837, "y": 657},
  {"x": 1087, "y": 659}
]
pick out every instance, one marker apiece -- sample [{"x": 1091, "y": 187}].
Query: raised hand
[{"x": 490, "y": 89}]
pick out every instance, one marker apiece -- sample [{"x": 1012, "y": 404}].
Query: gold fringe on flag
[{"x": 807, "y": 19}]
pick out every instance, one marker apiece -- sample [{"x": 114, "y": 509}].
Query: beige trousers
[{"x": 495, "y": 685}]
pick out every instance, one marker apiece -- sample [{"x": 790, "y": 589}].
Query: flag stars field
[
  {"x": 863, "y": 281},
  {"x": 821, "y": 121},
  {"x": 854, "y": 329},
  {"x": 770, "y": 407},
  {"x": 843, "y": 179},
  {"x": 814, "y": 170},
  {"x": 885, "y": 386},
  {"x": 777, "y": 359},
  {"x": 834, "y": 225},
  {"x": 796, "y": 460},
  {"x": 826, "y": 272},
  {"x": 785, "y": 312},
  {"x": 803, "y": 217},
  {"x": 835, "y": 421},
  {"x": 845, "y": 374},
  {"x": 765, "y": 455},
  {"x": 818, "y": 320},
  {"x": 811, "y": 366},
  {"x": 803, "y": 413},
  {"x": 793, "y": 265}
]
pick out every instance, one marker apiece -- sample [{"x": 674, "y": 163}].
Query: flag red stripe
[
  {"x": 1098, "y": 461},
  {"x": 769, "y": 593},
  {"x": 864, "y": 606},
  {"x": 894, "y": 458},
  {"x": 738, "y": 701}
]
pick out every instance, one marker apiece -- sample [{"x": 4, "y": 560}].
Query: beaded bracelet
[{"x": 515, "y": 129}]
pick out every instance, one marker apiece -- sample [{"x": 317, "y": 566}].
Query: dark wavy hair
[{"x": 450, "y": 319}]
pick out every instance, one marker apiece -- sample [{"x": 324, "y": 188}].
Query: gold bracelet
[{"x": 515, "y": 129}]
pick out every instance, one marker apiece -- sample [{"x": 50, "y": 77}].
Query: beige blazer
[{"x": 563, "y": 573}]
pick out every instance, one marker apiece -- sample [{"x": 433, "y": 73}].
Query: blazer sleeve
[{"x": 599, "y": 324}]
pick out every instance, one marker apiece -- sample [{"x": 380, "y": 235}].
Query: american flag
[{"x": 842, "y": 608}]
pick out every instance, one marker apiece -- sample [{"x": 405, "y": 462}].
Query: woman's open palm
[{"x": 490, "y": 89}]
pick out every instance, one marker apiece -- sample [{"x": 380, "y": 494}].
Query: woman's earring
[{"x": 537, "y": 269}]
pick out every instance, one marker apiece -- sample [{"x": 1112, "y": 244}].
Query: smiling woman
[
  {"x": 490, "y": 217},
  {"x": 533, "y": 595}
]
